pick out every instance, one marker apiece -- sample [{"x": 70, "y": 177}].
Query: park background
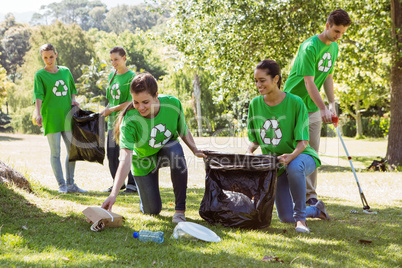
[{"x": 204, "y": 53}]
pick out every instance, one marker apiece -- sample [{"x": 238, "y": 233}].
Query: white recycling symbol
[
  {"x": 117, "y": 95},
  {"x": 154, "y": 131},
  {"x": 56, "y": 86},
  {"x": 321, "y": 66},
  {"x": 278, "y": 133}
]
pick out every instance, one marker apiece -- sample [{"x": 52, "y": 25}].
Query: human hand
[
  {"x": 109, "y": 203},
  {"x": 73, "y": 102},
  {"x": 39, "y": 120},
  {"x": 326, "y": 115},
  {"x": 285, "y": 159},
  {"x": 200, "y": 153},
  {"x": 106, "y": 112}
]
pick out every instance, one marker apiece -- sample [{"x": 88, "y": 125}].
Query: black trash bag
[
  {"x": 88, "y": 142},
  {"x": 239, "y": 190}
]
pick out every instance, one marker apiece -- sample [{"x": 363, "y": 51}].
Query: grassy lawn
[{"x": 47, "y": 229}]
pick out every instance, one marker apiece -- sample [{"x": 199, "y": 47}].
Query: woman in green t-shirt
[
  {"x": 118, "y": 95},
  {"x": 148, "y": 131},
  {"x": 278, "y": 122},
  {"x": 54, "y": 93}
]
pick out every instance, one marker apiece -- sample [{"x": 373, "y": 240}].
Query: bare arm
[
  {"x": 329, "y": 91},
  {"x": 126, "y": 157},
  {"x": 38, "y": 106},
  {"x": 73, "y": 101},
  {"x": 252, "y": 147},
  {"x": 312, "y": 90},
  {"x": 107, "y": 111},
  {"x": 285, "y": 159},
  {"x": 189, "y": 141}
]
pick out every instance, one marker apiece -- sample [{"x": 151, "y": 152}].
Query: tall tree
[
  {"x": 394, "y": 151},
  {"x": 68, "y": 11},
  {"x": 127, "y": 17},
  {"x": 14, "y": 43}
]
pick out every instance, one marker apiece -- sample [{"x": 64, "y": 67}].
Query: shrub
[{"x": 22, "y": 122}]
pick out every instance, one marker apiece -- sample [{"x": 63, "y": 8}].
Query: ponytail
[{"x": 119, "y": 120}]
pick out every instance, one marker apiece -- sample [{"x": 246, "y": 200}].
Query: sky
[{"x": 21, "y": 6}]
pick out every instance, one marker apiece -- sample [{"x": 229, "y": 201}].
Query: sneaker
[
  {"x": 323, "y": 215},
  {"x": 312, "y": 201},
  {"x": 302, "y": 229},
  {"x": 75, "y": 189},
  {"x": 63, "y": 189},
  {"x": 178, "y": 217},
  {"x": 130, "y": 189},
  {"x": 108, "y": 190}
]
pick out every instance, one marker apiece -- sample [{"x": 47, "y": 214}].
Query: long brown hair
[{"x": 143, "y": 82}]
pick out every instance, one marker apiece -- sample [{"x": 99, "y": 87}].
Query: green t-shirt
[
  {"x": 314, "y": 58},
  {"x": 117, "y": 93},
  {"x": 277, "y": 129},
  {"x": 145, "y": 137},
  {"x": 55, "y": 90}
]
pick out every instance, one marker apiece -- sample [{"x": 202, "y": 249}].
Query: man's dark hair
[{"x": 339, "y": 17}]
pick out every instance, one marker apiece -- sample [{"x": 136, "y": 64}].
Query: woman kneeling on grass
[
  {"x": 147, "y": 131},
  {"x": 278, "y": 122}
]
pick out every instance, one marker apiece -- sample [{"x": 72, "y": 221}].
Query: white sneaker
[
  {"x": 63, "y": 189},
  {"x": 178, "y": 217},
  {"x": 75, "y": 189}
]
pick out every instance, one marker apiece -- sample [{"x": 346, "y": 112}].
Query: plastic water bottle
[{"x": 145, "y": 236}]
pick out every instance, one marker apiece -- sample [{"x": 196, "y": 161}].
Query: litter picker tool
[{"x": 366, "y": 207}]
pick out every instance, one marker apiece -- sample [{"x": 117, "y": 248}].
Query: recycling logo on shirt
[
  {"x": 115, "y": 91},
  {"x": 154, "y": 132},
  {"x": 56, "y": 88},
  {"x": 271, "y": 123},
  {"x": 325, "y": 59}
]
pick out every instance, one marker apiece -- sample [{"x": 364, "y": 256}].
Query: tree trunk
[
  {"x": 359, "y": 125},
  {"x": 394, "y": 150},
  {"x": 10, "y": 175},
  {"x": 197, "y": 95}
]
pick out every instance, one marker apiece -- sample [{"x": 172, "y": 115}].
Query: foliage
[
  {"x": 94, "y": 14},
  {"x": 71, "y": 11},
  {"x": 128, "y": 17},
  {"x": 374, "y": 126},
  {"x": 74, "y": 47},
  {"x": 92, "y": 84},
  {"x": 4, "y": 84},
  {"x": 22, "y": 122},
  {"x": 144, "y": 50},
  {"x": 242, "y": 34},
  {"x": 14, "y": 43},
  {"x": 364, "y": 65},
  {"x": 180, "y": 84}
]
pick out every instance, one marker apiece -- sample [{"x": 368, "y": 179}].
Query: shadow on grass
[
  {"x": 332, "y": 168},
  {"x": 8, "y": 138},
  {"x": 55, "y": 236}
]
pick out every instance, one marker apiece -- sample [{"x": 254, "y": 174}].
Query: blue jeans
[
  {"x": 290, "y": 199},
  {"x": 113, "y": 153},
  {"x": 148, "y": 186},
  {"x": 54, "y": 144}
]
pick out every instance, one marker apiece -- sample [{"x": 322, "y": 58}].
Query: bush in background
[{"x": 22, "y": 122}]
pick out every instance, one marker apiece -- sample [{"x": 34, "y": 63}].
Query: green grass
[
  {"x": 52, "y": 232},
  {"x": 47, "y": 229}
]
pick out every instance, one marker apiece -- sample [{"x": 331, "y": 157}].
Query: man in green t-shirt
[{"x": 312, "y": 69}]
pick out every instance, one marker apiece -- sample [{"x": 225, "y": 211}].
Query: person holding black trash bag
[
  {"x": 278, "y": 122},
  {"x": 118, "y": 95},
  {"x": 147, "y": 130},
  {"x": 54, "y": 93}
]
